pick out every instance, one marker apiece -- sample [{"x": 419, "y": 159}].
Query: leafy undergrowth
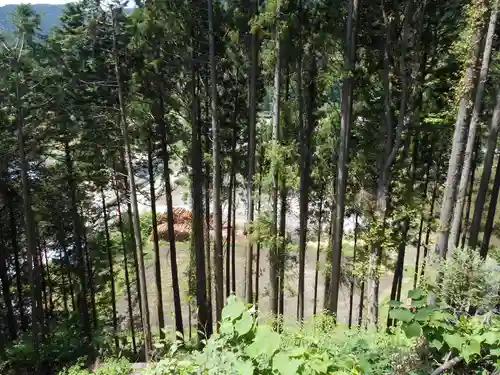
[
  {"x": 245, "y": 346},
  {"x": 424, "y": 337}
]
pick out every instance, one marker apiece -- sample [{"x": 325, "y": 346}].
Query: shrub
[{"x": 464, "y": 279}]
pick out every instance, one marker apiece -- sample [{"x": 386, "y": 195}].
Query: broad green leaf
[
  {"x": 424, "y": 313},
  {"x": 395, "y": 303},
  {"x": 403, "y": 315},
  {"x": 285, "y": 365},
  {"x": 266, "y": 342},
  {"x": 454, "y": 340},
  {"x": 436, "y": 344},
  {"x": 319, "y": 366},
  {"x": 413, "y": 330},
  {"x": 491, "y": 337},
  {"x": 244, "y": 324},
  {"x": 245, "y": 368},
  {"x": 415, "y": 294},
  {"x": 297, "y": 352},
  {"x": 495, "y": 352},
  {"x": 418, "y": 302},
  {"x": 469, "y": 350},
  {"x": 226, "y": 328},
  {"x": 233, "y": 309}
]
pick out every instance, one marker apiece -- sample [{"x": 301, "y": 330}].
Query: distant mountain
[{"x": 49, "y": 14}]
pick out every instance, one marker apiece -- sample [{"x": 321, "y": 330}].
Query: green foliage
[
  {"x": 245, "y": 346},
  {"x": 110, "y": 366},
  {"x": 474, "y": 338},
  {"x": 465, "y": 279}
]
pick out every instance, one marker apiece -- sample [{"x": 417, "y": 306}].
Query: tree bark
[
  {"x": 430, "y": 218},
  {"x": 17, "y": 265},
  {"x": 485, "y": 177},
  {"x": 7, "y": 298},
  {"x": 471, "y": 138},
  {"x": 228, "y": 234},
  {"x": 343, "y": 158},
  {"x": 273, "y": 253},
  {"x": 457, "y": 151},
  {"x": 231, "y": 202},
  {"x": 390, "y": 151},
  {"x": 318, "y": 252},
  {"x": 490, "y": 219},
  {"x": 204, "y": 329},
  {"x": 306, "y": 151},
  {"x": 165, "y": 137},
  {"x": 421, "y": 226},
  {"x": 252, "y": 120},
  {"x": 133, "y": 198},
  {"x": 257, "y": 255},
  {"x": 125, "y": 263},
  {"x": 464, "y": 229},
  {"x": 90, "y": 271},
  {"x": 111, "y": 270},
  {"x": 80, "y": 256},
  {"x": 29, "y": 223},
  {"x": 217, "y": 181},
  {"x": 233, "y": 241},
  {"x": 353, "y": 278},
  {"x": 156, "y": 241}
]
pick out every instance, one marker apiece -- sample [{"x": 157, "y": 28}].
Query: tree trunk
[
  {"x": 62, "y": 242},
  {"x": 485, "y": 177},
  {"x": 233, "y": 241},
  {"x": 133, "y": 198},
  {"x": 405, "y": 227},
  {"x": 490, "y": 219},
  {"x": 228, "y": 234},
  {"x": 430, "y": 219},
  {"x": 343, "y": 159},
  {"x": 17, "y": 265},
  {"x": 318, "y": 252},
  {"x": 90, "y": 271},
  {"x": 80, "y": 256},
  {"x": 471, "y": 138},
  {"x": 421, "y": 226},
  {"x": 29, "y": 223},
  {"x": 231, "y": 202},
  {"x": 156, "y": 241},
  {"x": 257, "y": 255},
  {"x": 464, "y": 229},
  {"x": 7, "y": 298},
  {"x": 361, "y": 303},
  {"x": 273, "y": 253},
  {"x": 391, "y": 149},
  {"x": 217, "y": 181},
  {"x": 457, "y": 151},
  {"x": 208, "y": 221},
  {"x": 326, "y": 292},
  {"x": 49, "y": 282},
  {"x": 252, "y": 120},
  {"x": 353, "y": 278},
  {"x": 125, "y": 263},
  {"x": 111, "y": 271},
  {"x": 204, "y": 329},
  {"x": 43, "y": 282},
  {"x": 282, "y": 245},
  {"x": 306, "y": 152}
]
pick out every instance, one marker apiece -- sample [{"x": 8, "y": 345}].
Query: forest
[{"x": 251, "y": 187}]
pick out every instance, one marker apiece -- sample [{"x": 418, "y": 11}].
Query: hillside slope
[{"x": 49, "y": 13}]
